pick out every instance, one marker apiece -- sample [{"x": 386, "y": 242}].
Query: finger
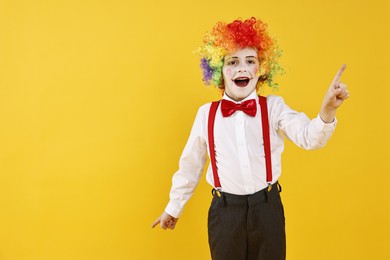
[
  {"x": 342, "y": 85},
  {"x": 156, "y": 222},
  {"x": 164, "y": 224},
  {"x": 172, "y": 227},
  {"x": 341, "y": 92},
  {"x": 336, "y": 79},
  {"x": 172, "y": 224},
  {"x": 343, "y": 95},
  {"x": 340, "y": 88}
]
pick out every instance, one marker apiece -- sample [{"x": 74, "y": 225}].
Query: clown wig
[{"x": 226, "y": 38}]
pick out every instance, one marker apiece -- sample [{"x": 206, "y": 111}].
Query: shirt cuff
[
  {"x": 172, "y": 210},
  {"x": 322, "y": 126}
]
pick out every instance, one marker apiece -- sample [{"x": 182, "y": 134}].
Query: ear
[
  {"x": 222, "y": 86},
  {"x": 263, "y": 78}
]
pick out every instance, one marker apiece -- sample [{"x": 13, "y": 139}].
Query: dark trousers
[{"x": 247, "y": 227}]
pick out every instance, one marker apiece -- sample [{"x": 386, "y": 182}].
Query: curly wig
[{"x": 228, "y": 37}]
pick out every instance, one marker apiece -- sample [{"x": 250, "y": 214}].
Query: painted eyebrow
[
  {"x": 229, "y": 58},
  {"x": 235, "y": 57}
]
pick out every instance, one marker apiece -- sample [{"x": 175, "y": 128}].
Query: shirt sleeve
[
  {"x": 191, "y": 164},
  {"x": 305, "y": 133}
]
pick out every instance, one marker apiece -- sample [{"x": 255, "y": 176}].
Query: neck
[{"x": 237, "y": 99}]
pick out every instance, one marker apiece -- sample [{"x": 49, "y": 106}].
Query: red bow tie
[{"x": 248, "y": 107}]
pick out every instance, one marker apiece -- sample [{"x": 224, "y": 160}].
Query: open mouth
[{"x": 241, "y": 81}]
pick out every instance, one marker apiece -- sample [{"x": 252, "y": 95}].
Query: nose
[{"x": 241, "y": 69}]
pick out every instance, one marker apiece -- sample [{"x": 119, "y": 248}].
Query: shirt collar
[{"x": 253, "y": 95}]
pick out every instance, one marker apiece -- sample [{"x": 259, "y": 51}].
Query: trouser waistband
[{"x": 263, "y": 195}]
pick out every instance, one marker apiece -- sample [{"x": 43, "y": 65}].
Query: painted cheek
[
  {"x": 255, "y": 69},
  {"x": 229, "y": 72}
]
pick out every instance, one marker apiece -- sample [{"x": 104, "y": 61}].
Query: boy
[{"x": 243, "y": 136}]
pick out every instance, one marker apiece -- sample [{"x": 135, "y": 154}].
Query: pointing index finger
[
  {"x": 336, "y": 79},
  {"x": 156, "y": 222}
]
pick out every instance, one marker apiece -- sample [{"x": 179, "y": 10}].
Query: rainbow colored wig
[{"x": 226, "y": 38}]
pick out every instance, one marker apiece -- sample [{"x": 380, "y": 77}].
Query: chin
[{"x": 239, "y": 93}]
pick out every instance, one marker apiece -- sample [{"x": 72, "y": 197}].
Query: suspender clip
[
  {"x": 269, "y": 187},
  {"x": 216, "y": 192}
]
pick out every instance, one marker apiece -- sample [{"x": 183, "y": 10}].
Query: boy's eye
[
  {"x": 232, "y": 62},
  {"x": 251, "y": 61}
]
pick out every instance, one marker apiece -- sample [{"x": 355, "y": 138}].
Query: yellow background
[{"x": 97, "y": 99}]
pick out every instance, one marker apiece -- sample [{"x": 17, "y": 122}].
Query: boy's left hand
[{"x": 334, "y": 97}]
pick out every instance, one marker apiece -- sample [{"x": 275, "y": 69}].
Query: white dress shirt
[{"x": 239, "y": 149}]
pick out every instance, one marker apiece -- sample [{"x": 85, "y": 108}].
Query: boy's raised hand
[
  {"x": 165, "y": 221},
  {"x": 334, "y": 97}
]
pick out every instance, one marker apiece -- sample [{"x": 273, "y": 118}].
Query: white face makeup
[{"x": 239, "y": 73}]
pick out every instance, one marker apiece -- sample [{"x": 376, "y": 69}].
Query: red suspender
[
  {"x": 266, "y": 139},
  {"x": 213, "y": 111}
]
